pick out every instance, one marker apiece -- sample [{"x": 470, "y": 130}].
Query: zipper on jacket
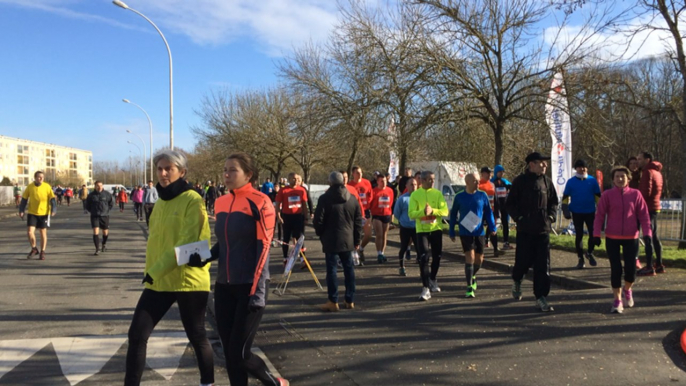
[
  {"x": 622, "y": 192},
  {"x": 226, "y": 235}
]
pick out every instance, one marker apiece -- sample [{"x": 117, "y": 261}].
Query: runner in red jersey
[
  {"x": 364, "y": 189},
  {"x": 291, "y": 211},
  {"x": 381, "y": 208}
]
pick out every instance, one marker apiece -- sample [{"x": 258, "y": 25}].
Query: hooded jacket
[
  {"x": 99, "y": 203},
  {"x": 179, "y": 219},
  {"x": 624, "y": 209},
  {"x": 532, "y": 203},
  {"x": 244, "y": 230},
  {"x": 338, "y": 220},
  {"x": 651, "y": 185},
  {"x": 502, "y": 189}
]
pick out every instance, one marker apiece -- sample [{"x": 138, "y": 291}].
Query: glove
[
  {"x": 196, "y": 261},
  {"x": 253, "y": 305},
  {"x": 596, "y": 241},
  {"x": 566, "y": 212},
  {"x": 647, "y": 240},
  {"x": 147, "y": 279}
]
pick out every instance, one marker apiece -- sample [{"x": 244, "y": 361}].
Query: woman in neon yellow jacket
[
  {"x": 179, "y": 218},
  {"x": 427, "y": 208}
]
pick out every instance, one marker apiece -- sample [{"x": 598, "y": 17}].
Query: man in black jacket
[
  {"x": 532, "y": 203},
  {"x": 99, "y": 203},
  {"x": 338, "y": 223}
]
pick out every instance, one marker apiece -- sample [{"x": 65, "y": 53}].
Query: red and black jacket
[{"x": 244, "y": 228}]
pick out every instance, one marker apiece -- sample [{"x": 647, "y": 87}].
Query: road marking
[{"x": 82, "y": 357}]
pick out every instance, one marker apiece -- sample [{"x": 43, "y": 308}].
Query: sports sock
[
  {"x": 379, "y": 253},
  {"x": 469, "y": 273},
  {"x": 476, "y": 268},
  {"x": 96, "y": 241},
  {"x": 104, "y": 240}
]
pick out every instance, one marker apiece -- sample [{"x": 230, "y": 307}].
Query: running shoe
[
  {"x": 507, "y": 246},
  {"x": 660, "y": 269},
  {"x": 628, "y": 298},
  {"x": 380, "y": 259},
  {"x": 517, "y": 290},
  {"x": 283, "y": 382},
  {"x": 542, "y": 304},
  {"x": 402, "y": 271},
  {"x": 97, "y": 252},
  {"x": 591, "y": 259},
  {"x": 426, "y": 294},
  {"x": 329, "y": 306},
  {"x": 433, "y": 286},
  {"x": 34, "y": 251},
  {"x": 104, "y": 248},
  {"x": 349, "y": 306},
  {"x": 474, "y": 282},
  {"x": 470, "y": 293},
  {"x": 646, "y": 271},
  {"x": 638, "y": 264},
  {"x": 42, "y": 255},
  {"x": 581, "y": 263},
  {"x": 617, "y": 307},
  {"x": 361, "y": 254}
]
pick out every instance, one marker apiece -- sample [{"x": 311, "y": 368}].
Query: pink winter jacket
[
  {"x": 137, "y": 196},
  {"x": 624, "y": 209}
]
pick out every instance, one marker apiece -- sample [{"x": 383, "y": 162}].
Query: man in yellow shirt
[{"x": 40, "y": 200}]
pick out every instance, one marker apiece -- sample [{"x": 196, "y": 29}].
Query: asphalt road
[{"x": 63, "y": 317}]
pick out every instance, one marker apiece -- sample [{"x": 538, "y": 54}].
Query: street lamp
[
  {"x": 139, "y": 150},
  {"x": 150, "y": 124},
  {"x": 145, "y": 176},
  {"x": 171, "y": 88}
]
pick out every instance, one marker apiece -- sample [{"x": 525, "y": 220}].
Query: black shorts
[
  {"x": 383, "y": 219},
  {"x": 367, "y": 214},
  {"x": 102, "y": 222},
  {"x": 475, "y": 243},
  {"x": 40, "y": 222}
]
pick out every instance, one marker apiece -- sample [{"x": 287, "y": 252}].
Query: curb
[{"x": 683, "y": 341}]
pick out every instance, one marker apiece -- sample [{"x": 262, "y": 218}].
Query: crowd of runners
[{"x": 362, "y": 208}]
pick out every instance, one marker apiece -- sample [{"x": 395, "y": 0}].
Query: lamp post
[
  {"x": 150, "y": 124},
  {"x": 139, "y": 151},
  {"x": 121, "y": 4},
  {"x": 145, "y": 176}
]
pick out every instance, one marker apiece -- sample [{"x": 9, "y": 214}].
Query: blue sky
[{"x": 67, "y": 64}]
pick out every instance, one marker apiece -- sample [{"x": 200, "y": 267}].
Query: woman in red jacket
[
  {"x": 122, "y": 198},
  {"x": 624, "y": 209}
]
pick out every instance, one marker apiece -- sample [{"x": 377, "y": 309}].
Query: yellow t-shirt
[{"x": 39, "y": 197}]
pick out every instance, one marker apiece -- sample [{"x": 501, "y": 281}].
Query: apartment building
[{"x": 20, "y": 158}]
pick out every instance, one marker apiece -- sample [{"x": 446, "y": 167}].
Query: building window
[{"x": 72, "y": 165}]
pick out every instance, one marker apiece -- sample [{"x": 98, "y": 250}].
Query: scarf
[
  {"x": 582, "y": 176},
  {"x": 172, "y": 190}
]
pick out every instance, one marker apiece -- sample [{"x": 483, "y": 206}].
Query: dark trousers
[
  {"x": 148, "y": 212},
  {"x": 237, "y": 326},
  {"x": 293, "y": 226},
  {"x": 151, "y": 307},
  {"x": 533, "y": 250},
  {"x": 628, "y": 254},
  {"x": 654, "y": 244},
  {"x": 121, "y": 205},
  {"x": 424, "y": 241},
  {"x": 138, "y": 209},
  {"x": 504, "y": 223},
  {"x": 406, "y": 235},
  {"x": 579, "y": 219},
  {"x": 83, "y": 202},
  {"x": 332, "y": 275}
]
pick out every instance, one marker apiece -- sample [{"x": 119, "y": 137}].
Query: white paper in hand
[
  {"x": 471, "y": 221},
  {"x": 184, "y": 252}
]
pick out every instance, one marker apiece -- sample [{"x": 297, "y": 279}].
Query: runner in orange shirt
[
  {"x": 291, "y": 211},
  {"x": 364, "y": 189},
  {"x": 381, "y": 208}
]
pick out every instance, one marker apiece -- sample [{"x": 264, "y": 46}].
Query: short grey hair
[
  {"x": 335, "y": 178},
  {"x": 426, "y": 174},
  {"x": 173, "y": 156}
]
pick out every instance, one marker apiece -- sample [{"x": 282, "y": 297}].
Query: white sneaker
[
  {"x": 617, "y": 307},
  {"x": 433, "y": 286},
  {"x": 426, "y": 294}
]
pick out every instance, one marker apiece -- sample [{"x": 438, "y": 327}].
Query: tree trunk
[
  {"x": 682, "y": 244},
  {"x": 498, "y": 134},
  {"x": 351, "y": 159}
]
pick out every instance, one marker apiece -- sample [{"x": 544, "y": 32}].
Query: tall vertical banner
[
  {"x": 557, "y": 117},
  {"x": 393, "y": 165}
]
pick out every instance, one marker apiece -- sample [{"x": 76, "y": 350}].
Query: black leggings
[
  {"x": 121, "y": 205},
  {"x": 504, "y": 222},
  {"x": 151, "y": 307},
  {"x": 628, "y": 254},
  {"x": 293, "y": 226},
  {"x": 237, "y": 328},
  {"x": 406, "y": 235},
  {"x": 138, "y": 208},
  {"x": 579, "y": 219},
  {"x": 424, "y": 240}
]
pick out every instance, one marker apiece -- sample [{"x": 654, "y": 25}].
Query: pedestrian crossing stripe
[{"x": 82, "y": 357}]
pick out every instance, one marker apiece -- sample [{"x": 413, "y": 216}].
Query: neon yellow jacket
[
  {"x": 418, "y": 200},
  {"x": 181, "y": 220}
]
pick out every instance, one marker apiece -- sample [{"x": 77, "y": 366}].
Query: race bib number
[
  {"x": 501, "y": 192},
  {"x": 384, "y": 202},
  {"x": 363, "y": 197},
  {"x": 428, "y": 220},
  {"x": 294, "y": 202}
]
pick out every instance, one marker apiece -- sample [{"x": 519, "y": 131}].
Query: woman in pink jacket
[
  {"x": 137, "y": 198},
  {"x": 624, "y": 209}
]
